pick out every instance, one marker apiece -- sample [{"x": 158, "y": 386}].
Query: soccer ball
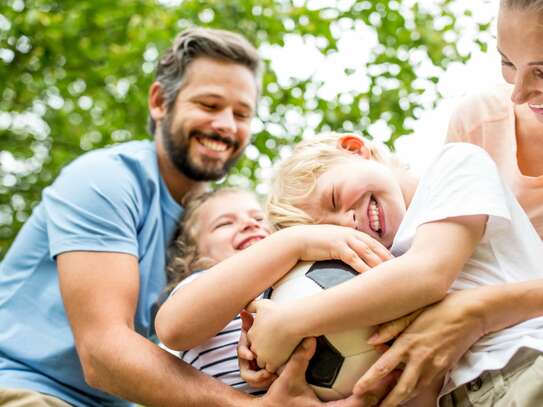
[{"x": 341, "y": 358}]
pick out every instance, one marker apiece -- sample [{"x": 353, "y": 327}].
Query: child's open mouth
[{"x": 375, "y": 217}]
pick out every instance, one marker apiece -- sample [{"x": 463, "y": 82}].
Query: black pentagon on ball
[
  {"x": 325, "y": 365},
  {"x": 329, "y": 273},
  {"x": 327, "y": 361},
  {"x": 268, "y": 293}
]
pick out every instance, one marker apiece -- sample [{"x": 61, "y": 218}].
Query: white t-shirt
[
  {"x": 464, "y": 180},
  {"x": 217, "y": 356}
]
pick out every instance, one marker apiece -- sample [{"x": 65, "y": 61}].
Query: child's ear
[{"x": 354, "y": 144}]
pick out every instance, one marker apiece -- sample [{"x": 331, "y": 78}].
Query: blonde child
[
  {"x": 455, "y": 228},
  {"x": 223, "y": 245}
]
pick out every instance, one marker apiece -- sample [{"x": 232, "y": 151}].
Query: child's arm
[
  {"x": 203, "y": 307},
  {"x": 420, "y": 277}
]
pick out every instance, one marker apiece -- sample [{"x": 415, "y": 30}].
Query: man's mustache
[{"x": 216, "y": 137}]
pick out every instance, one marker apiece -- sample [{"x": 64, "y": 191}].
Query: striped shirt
[{"x": 217, "y": 356}]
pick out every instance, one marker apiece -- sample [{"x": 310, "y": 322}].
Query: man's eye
[
  {"x": 507, "y": 63},
  {"x": 242, "y": 115},
  {"x": 208, "y": 106},
  {"x": 538, "y": 73}
]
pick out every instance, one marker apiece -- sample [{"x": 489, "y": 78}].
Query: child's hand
[
  {"x": 249, "y": 370},
  {"x": 325, "y": 242},
  {"x": 268, "y": 337}
]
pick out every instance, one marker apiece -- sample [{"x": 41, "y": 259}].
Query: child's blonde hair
[
  {"x": 297, "y": 175},
  {"x": 183, "y": 255}
]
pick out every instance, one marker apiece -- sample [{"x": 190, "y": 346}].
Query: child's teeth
[{"x": 375, "y": 224}]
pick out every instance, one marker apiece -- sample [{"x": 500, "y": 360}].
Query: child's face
[
  {"x": 360, "y": 193},
  {"x": 229, "y": 223}
]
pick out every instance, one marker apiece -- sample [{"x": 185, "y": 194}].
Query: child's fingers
[
  {"x": 243, "y": 347},
  {"x": 353, "y": 259},
  {"x": 376, "y": 247},
  {"x": 255, "y": 378},
  {"x": 245, "y": 353},
  {"x": 246, "y": 320},
  {"x": 252, "y": 306},
  {"x": 370, "y": 250}
]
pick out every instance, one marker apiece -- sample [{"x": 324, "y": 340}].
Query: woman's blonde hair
[
  {"x": 183, "y": 255},
  {"x": 296, "y": 176}
]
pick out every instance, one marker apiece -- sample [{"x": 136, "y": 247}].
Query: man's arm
[{"x": 100, "y": 293}]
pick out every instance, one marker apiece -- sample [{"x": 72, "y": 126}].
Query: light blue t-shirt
[{"x": 112, "y": 200}]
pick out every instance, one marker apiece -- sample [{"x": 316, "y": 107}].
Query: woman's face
[
  {"x": 229, "y": 223},
  {"x": 520, "y": 43}
]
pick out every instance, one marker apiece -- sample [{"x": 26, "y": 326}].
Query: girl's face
[
  {"x": 520, "y": 43},
  {"x": 359, "y": 193},
  {"x": 229, "y": 223}
]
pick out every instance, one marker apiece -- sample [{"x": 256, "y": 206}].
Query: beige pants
[
  {"x": 519, "y": 384},
  {"x": 28, "y": 398}
]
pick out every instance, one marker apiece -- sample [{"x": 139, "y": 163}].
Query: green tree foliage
[{"x": 75, "y": 75}]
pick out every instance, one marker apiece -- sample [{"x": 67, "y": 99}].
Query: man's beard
[{"x": 178, "y": 151}]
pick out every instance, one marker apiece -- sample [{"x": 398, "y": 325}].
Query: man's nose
[{"x": 225, "y": 122}]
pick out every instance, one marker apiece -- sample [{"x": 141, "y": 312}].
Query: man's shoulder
[
  {"x": 125, "y": 172},
  {"x": 131, "y": 160},
  {"x": 138, "y": 151}
]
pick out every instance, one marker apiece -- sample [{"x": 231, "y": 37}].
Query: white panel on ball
[{"x": 341, "y": 358}]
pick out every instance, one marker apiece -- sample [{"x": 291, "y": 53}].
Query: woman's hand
[
  {"x": 325, "y": 242},
  {"x": 390, "y": 330},
  {"x": 269, "y": 337},
  {"x": 429, "y": 347},
  {"x": 249, "y": 370}
]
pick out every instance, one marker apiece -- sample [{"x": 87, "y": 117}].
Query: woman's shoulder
[
  {"x": 489, "y": 104},
  {"x": 474, "y": 111}
]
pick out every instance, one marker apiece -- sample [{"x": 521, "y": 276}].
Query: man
[{"x": 79, "y": 286}]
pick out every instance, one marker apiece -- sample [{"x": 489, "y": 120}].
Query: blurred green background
[{"x": 74, "y": 76}]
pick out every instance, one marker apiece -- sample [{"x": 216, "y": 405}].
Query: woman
[{"x": 508, "y": 123}]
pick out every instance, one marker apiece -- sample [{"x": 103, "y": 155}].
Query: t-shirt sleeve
[
  {"x": 462, "y": 181},
  {"x": 185, "y": 281},
  {"x": 94, "y": 205},
  {"x": 456, "y": 129}
]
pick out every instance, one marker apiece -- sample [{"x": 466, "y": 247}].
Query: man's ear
[
  {"x": 354, "y": 144},
  {"x": 157, "y": 102}
]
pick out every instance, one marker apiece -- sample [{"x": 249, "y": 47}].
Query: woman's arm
[
  {"x": 418, "y": 278},
  {"x": 443, "y": 332},
  {"x": 200, "y": 309}
]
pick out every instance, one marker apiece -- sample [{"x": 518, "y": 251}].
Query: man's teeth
[
  {"x": 536, "y": 106},
  {"x": 213, "y": 145},
  {"x": 373, "y": 214}
]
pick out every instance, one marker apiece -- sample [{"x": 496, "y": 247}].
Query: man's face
[{"x": 208, "y": 127}]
